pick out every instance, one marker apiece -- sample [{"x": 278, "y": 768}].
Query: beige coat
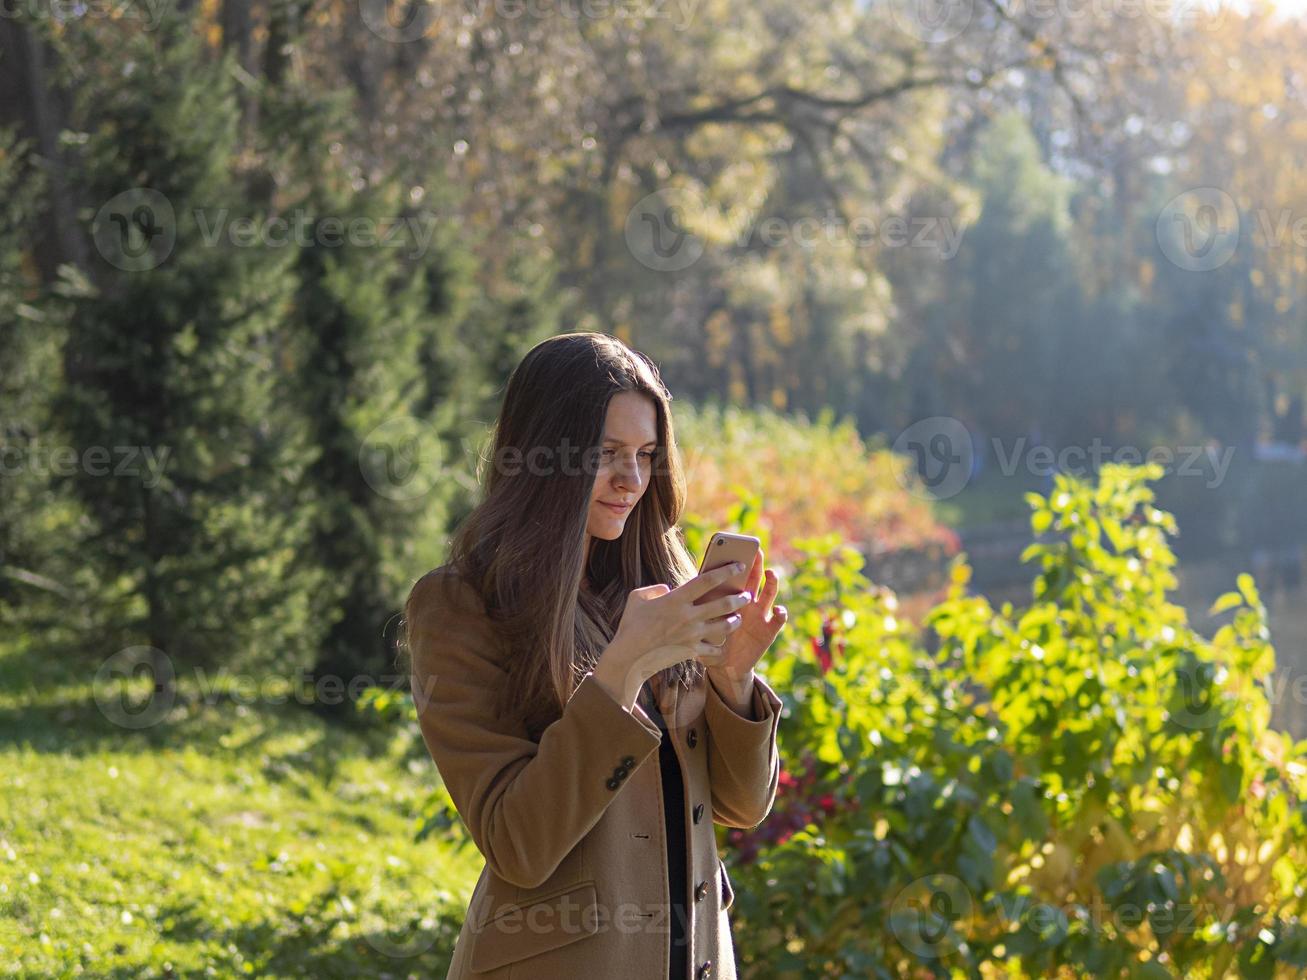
[{"x": 571, "y": 826}]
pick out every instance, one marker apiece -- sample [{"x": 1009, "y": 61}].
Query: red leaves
[
  {"x": 829, "y": 640},
  {"x": 800, "y": 800}
]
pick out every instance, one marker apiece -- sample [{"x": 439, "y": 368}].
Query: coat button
[
  {"x": 613, "y": 782},
  {"x": 628, "y": 762},
  {"x": 701, "y": 891},
  {"x": 621, "y": 773},
  {"x": 705, "y": 971},
  {"x": 698, "y": 812},
  {"x": 692, "y": 739}
]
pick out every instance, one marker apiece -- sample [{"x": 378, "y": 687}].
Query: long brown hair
[{"x": 523, "y": 546}]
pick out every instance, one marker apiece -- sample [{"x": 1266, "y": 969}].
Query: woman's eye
[{"x": 647, "y": 455}]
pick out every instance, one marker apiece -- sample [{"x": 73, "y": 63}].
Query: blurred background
[{"x": 916, "y": 272}]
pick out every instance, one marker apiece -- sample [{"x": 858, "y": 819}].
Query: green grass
[{"x": 228, "y": 839}]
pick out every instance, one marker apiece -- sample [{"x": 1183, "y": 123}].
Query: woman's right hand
[{"x": 661, "y": 626}]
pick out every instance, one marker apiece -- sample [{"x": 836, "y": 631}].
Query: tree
[
  {"x": 174, "y": 352},
  {"x": 386, "y": 373},
  {"x": 37, "y": 572}
]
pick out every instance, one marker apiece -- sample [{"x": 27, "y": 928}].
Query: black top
[{"x": 674, "y": 818}]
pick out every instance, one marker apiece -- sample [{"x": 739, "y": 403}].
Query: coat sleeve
[
  {"x": 743, "y": 764},
  {"x": 525, "y": 804}
]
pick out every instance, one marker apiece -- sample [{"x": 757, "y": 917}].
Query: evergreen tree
[
  {"x": 393, "y": 392},
  {"x": 35, "y": 568},
  {"x": 174, "y": 354}
]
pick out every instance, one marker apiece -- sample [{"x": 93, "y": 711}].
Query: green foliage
[
  {"x": 1085, "y": 784},
  {"x": 177, "y": 359},
  {"x": 367, "y": 313},
  {"x": 39, "y": 572}
]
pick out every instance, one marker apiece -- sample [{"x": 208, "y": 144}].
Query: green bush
[{"x": 1084, "y": 786}]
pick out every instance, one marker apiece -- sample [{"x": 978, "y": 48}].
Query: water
[{"x": 1280, "y": 580}]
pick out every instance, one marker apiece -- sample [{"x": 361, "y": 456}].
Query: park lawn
[{"x": 228, "y": 839}]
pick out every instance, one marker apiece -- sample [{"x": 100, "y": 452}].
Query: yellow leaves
[
  {"x": 1265, "y": 851},
  {"x": 1216, "y": 845},
  {"x": 1184, "y": 840}
]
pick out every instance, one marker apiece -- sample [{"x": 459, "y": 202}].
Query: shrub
[
  {"x": 1086, "y": 786},
  {"x": 802, "y": 474}
]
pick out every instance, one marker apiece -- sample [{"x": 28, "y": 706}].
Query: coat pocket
[
  {"x": 547, "y": 922},
  {"x": 728, "y": 893}
]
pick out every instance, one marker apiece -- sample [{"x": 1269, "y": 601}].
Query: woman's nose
[{"x": 628, "y": 474}]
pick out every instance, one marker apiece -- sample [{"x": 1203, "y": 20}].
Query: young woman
[{"x": 589, "y": 719}]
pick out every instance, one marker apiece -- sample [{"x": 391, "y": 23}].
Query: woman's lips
[{"x": 616, "y": 508}]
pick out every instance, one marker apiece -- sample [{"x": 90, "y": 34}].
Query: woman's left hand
[{"x": 760, "y": 624}]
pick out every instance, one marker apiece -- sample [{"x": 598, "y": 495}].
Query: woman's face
[{"x": 625, "y": 462}]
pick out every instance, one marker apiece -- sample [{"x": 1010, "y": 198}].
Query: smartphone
[{"x": 724, "y": 548}]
